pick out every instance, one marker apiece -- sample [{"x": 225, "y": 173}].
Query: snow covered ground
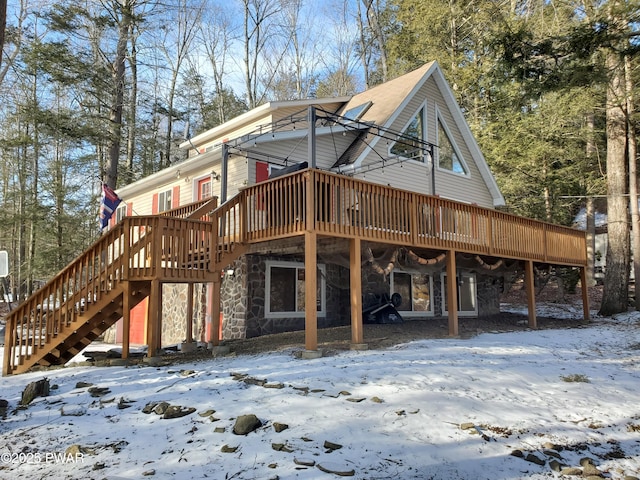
[{"x": 496, "y": 406}]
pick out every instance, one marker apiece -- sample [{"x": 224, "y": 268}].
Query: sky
[{"x": 430, "y": 409}]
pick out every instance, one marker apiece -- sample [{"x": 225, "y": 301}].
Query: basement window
[
  {"x": 285, "y": 290},
  {"x": 416, "y": 290}
]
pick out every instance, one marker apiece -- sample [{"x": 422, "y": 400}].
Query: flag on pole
[{"x": 108, "y": 205}]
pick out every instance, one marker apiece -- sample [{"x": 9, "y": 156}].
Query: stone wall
[
  {"x": 174, "y": 312},
  {"x": 243, "y": 300}
]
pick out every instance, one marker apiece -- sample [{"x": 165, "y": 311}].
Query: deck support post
[
  {"x": 310, "y": 291},
  {"x": 126, "y": 320},
  {"x": 531, "y": 293},
  {"x": 214, "y": 334},
  {"x": 452, "y": 293},
  {"x": 154, "y": 319},
  {"x": 189, "y": 334},
  {"x": 355, "y": 279},
  {"x": 585, "y": 294}
]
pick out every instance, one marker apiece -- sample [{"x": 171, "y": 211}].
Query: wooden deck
[{"x": 194, "y": 243}]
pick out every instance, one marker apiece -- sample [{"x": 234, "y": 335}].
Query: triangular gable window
[
  {"x": 410, "y": 144},
  {"x": 448, "y": 158}
]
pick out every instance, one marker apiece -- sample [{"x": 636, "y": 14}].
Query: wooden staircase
[{"x": 86, "y": 298}]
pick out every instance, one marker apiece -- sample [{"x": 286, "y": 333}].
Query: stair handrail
[{"x": 53, "y": 306}]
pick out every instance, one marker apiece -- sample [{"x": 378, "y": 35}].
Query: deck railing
[
  {"x": 138, "y": 248},
  {"x": 347, "y": 207}
]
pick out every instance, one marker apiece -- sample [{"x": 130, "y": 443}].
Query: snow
[{"x": 396, "y": 412}]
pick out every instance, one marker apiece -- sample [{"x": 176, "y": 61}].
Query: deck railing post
[
  {"x": 490, "y": 241},
  {"x": 126, "y": 251},
  {"x": 413, "y": 218}
]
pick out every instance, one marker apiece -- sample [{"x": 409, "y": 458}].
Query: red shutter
[
  {"x": 129, "y": 209},
  {"x": 175, "y": 197},
  {"x": 154, "y": 204},
  {"x": 262, "y": 174},
  {"x": 262, "y": 171}
]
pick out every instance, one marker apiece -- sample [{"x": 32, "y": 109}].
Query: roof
[{"x": 385, "y": 102}]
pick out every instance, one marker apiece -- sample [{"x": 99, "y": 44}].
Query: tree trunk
[
  {"x": 115, "y": 116},
  {"x": 633, "y": 180},
  {"x": 616, "y": 280},
  {"x": 133, "y": 108}
]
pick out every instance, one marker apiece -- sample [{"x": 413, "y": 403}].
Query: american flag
[{"x": 108, "y": 205}]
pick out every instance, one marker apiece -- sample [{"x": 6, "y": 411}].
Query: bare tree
[
  {"x": 216, "y": 35},
  {"x": 257, "y": 16},
  {"x": 123, "y": 11},
  {"x": 179, "y": 33},
  {"x": 340, "y": 59}
]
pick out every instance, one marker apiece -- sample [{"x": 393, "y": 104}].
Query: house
[{"x": 384, "y": 194}]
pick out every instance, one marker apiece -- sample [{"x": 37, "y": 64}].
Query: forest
[{"x": 105, "y": 90}]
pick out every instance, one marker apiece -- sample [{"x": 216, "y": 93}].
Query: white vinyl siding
[{"x": 415, "y": 177}]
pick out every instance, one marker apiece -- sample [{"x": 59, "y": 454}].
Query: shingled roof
[{"x": 386, "y": 100}]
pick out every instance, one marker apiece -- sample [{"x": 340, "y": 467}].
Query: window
[
  {"x": 448, "y": 157},
  {"x": 121, "y": 212},
  {"x": 164, "y": 201},
  {"x": 355, "y": 113},
  {"x": 416, "y": 292},
  {"x": 410, "y": 143},
  {"x": 204, "y": 189},
  {"x": 285, "y": 289},
  {"x": 467, "y": 294}
]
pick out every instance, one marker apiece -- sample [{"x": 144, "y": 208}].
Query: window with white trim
[
  {"x": 121, "y": 212},
  {"x": 416, "y": 290},
  {"x": 449, "y": 157},
  {"x": 410, "y": 144},
  {"x": 285, "y": 289},
  {"x": 164, "y": 201}
]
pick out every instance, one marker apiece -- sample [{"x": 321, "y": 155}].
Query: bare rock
[
  {"x": 586, "y": 461},
  {"x": 281, "y": 447},
  {"x": 590, "y": 470},
  {"x": 160, "y": 408},
  {"x": 330, "y": 446},
  {"x": 340, "y": 470},
  {"x": 280, "y": 427},
  {"x": 39, "y": 388},
  {"x": 228, "y": 449},
  {"x": 98, "y": 391},
  {"x": 246, "y": 424},
  {"x": 535, "y": 459},
  {"x": 176, "y": 411},
  {"x": 556, "y": 466},
  {"x": 571, "y": 471}
]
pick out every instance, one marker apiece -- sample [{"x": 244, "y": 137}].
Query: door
[{"x": 467, "y": 294}]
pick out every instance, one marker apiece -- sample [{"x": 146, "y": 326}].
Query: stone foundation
[{"x": 243, "y": 301}]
